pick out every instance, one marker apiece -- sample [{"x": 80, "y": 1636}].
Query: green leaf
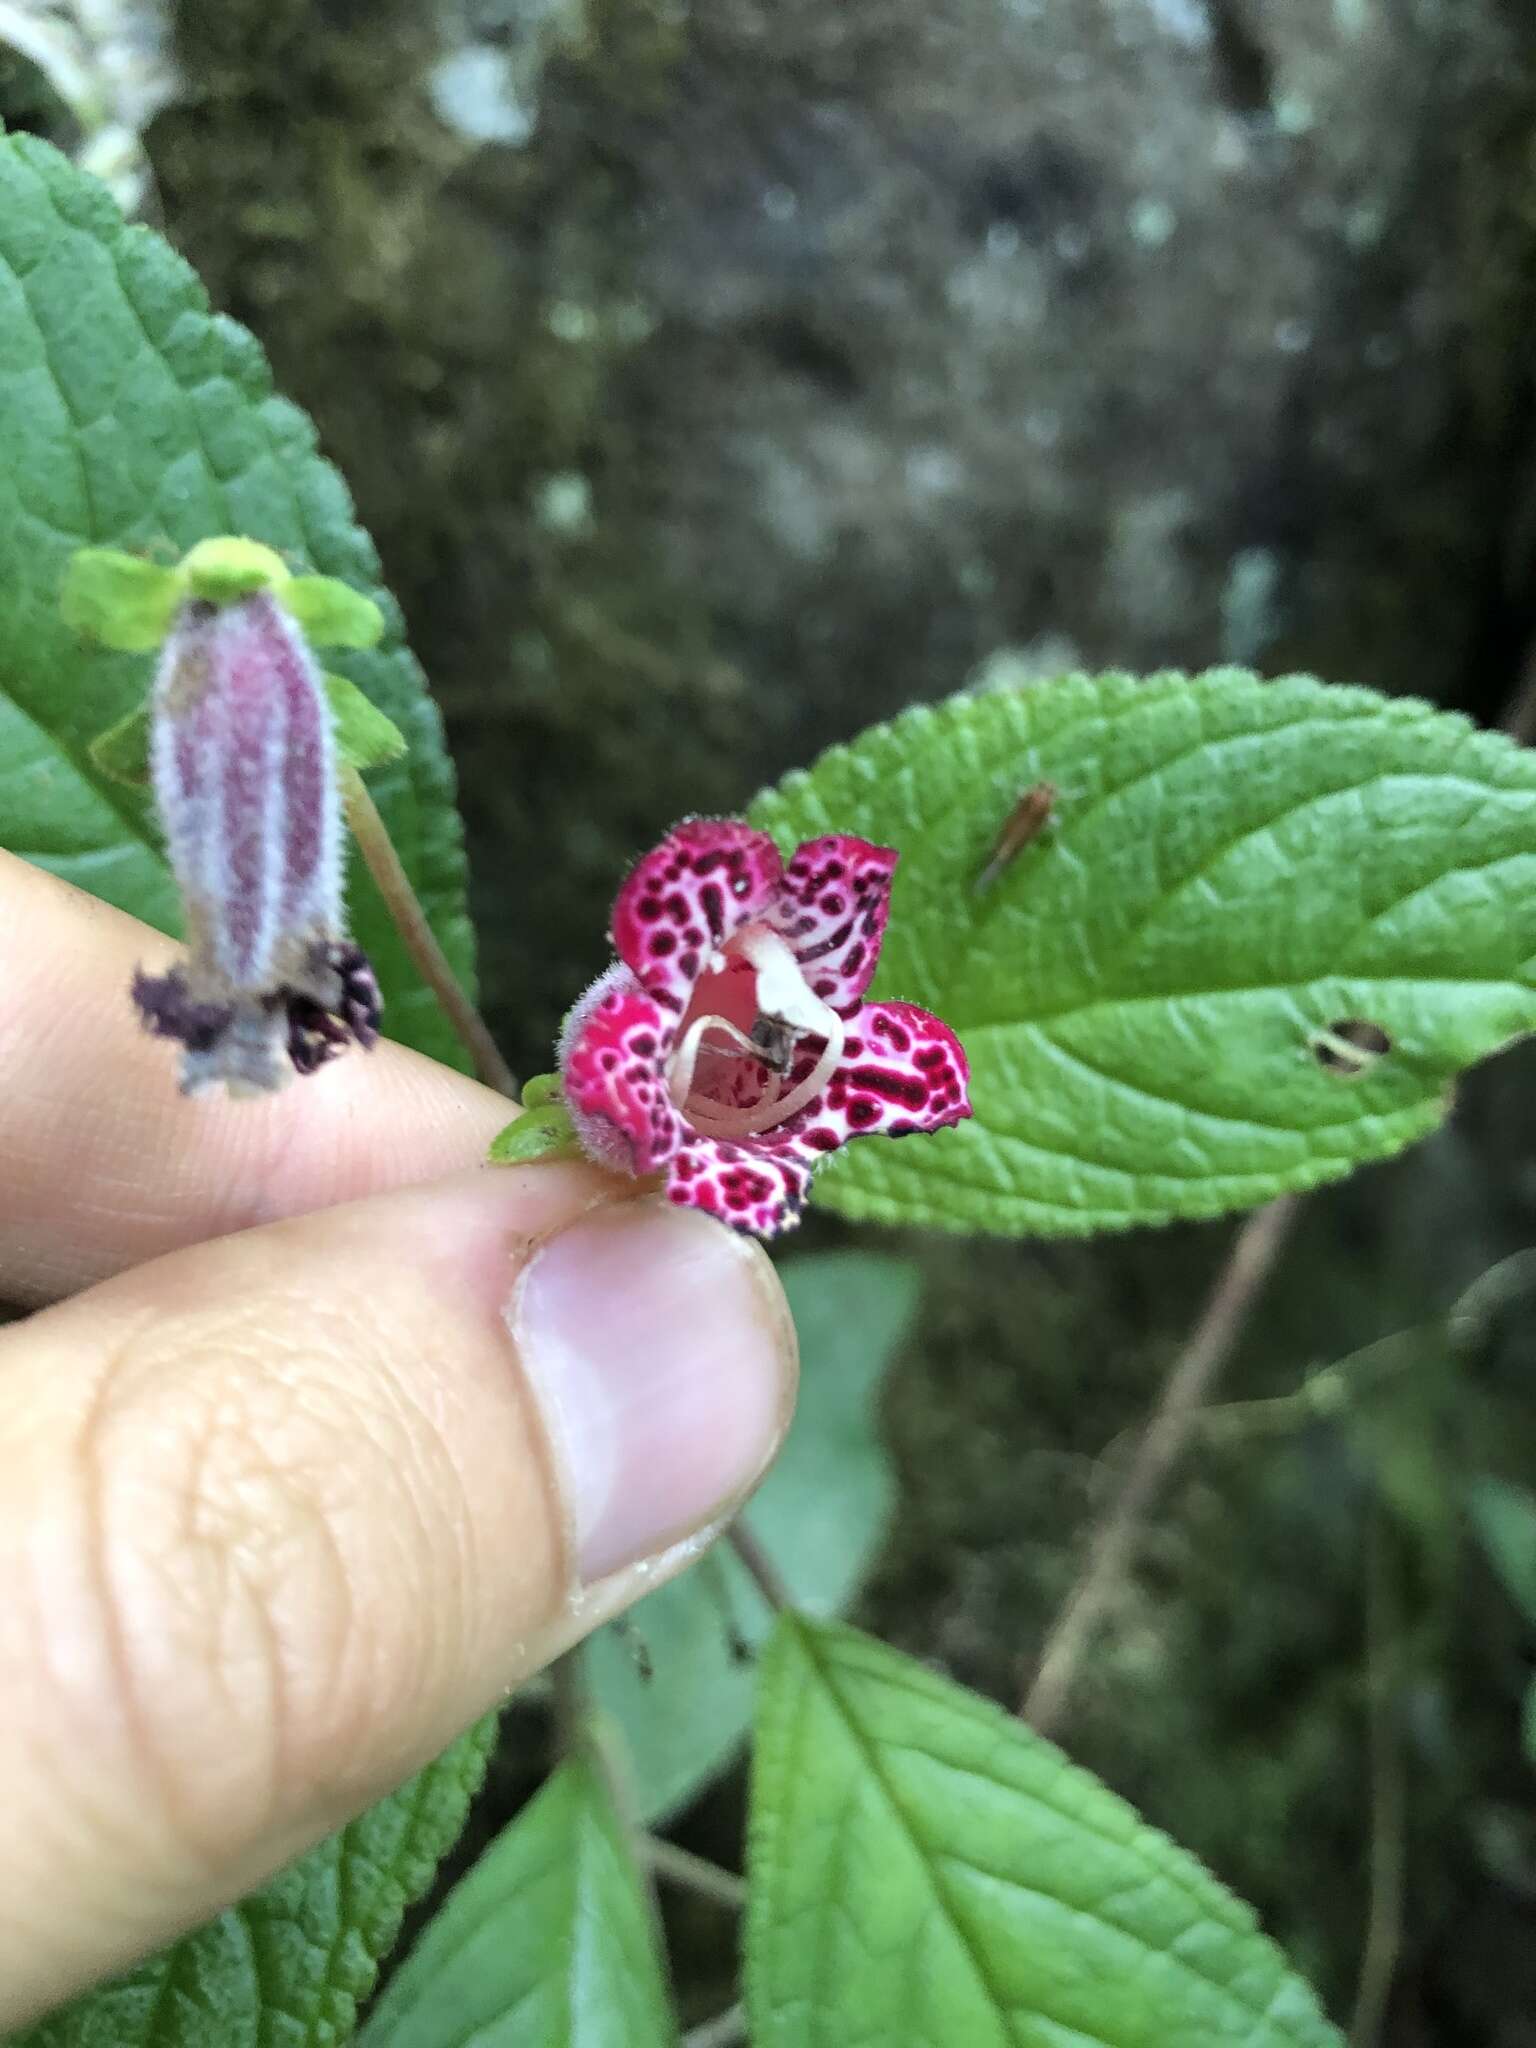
[
  {"x": 546, "y": 1133},
  {"x": 119, "y": 600},
  {"x": 293, "y": 1962},
  {"x": 1232, "y": 866},
  {"x": 548, "y": 1943},
  {"x": 1504, "y": 1517},
  {"x": 1528, "y": 1723},
  {"x": 539, "y": 1090},
  {"x": 820, "y": 1512},
  {"x": 365, "y": 738},
  {"x": 924, "y": 1869},
  {"x": 331, "y": 613},
  {"x": 132, "y": 418}
]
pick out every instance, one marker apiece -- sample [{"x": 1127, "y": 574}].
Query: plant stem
[
  {"x": 1518, "y": 717},
  {"x": 568, "y": 1705},
  {"x": 1243, "y": 1273},
  {"x": 1383, "y": 1935},
  {"x": 725, "y": 2030},
  {"x": 383, "y": 863},
  {"x": 695, "y": 1873},
  {"x": 759, "y": 1567}
]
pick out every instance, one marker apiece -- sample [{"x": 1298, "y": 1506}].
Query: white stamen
[
  {"x": 783, "y": 997},
  {"x": 782, "y": 990},
  {"x": 718, "y": 1122},
  {"x": 686, "y": 1058}
]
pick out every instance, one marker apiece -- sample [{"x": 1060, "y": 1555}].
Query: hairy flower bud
[{"x": 244, "y": 770}]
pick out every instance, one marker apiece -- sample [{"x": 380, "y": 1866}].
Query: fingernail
[{"x": 661, "y": 1352}]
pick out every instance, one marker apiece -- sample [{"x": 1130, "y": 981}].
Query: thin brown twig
[
  {"x": 383, "y": 863},
  {"x": 725, "y": 2030},
  {"x": 1518, "y": 718},
  {"x": 759, "y": 1567},
  {"x": 694, "y": 1873},
  {"x": 1243, "y": 1273},
  {"x": 1384, "y": 1925}
]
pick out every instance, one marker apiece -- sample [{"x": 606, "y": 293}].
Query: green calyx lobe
[
  {"x": 129, "y": 603},
  {"x": 223, "y": 570},
  {"x": 545, "y": 1132}
]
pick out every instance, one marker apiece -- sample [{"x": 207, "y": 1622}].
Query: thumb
[{"x": 281, "y": 1514}]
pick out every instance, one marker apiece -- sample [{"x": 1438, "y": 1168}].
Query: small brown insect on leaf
[
  {"x": 1350, "y": 1047},
  {"x": 1025, "y": 822}
]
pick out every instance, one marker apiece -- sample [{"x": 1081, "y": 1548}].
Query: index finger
[{"x": 104, "y": 1164}]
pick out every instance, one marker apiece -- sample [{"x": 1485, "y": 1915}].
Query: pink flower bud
[{"x": 245, "y": 777}]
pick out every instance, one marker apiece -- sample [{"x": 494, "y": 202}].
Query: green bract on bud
[{"x": 243, "y": 754}]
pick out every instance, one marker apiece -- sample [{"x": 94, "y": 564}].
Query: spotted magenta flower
[
  {"x": 729, "y": 1047},
  {"x": 243, "y": 762}
]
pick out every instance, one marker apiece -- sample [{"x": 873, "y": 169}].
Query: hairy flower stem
[{"x": 383, "y": 863}]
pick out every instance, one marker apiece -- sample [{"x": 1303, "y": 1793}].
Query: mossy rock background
[{"x": 796, "y": 361}]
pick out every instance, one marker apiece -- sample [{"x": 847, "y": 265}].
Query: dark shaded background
[{"x": 802, "y": 355}]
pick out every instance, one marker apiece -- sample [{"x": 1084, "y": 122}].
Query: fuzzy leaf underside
[
  {"x": 293, "y": 1963},
  {"x": 131, "y": 417},
  {"x": 925, "y": 1869},
  {"x": 549, "y": 1941},
  {"x": 1232, "y": 866}
]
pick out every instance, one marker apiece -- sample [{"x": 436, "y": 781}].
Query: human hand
[{"x": 282, "y": 1511}]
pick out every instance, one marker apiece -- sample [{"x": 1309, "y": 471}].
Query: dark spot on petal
[{"x": 893, "y": 1087}]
